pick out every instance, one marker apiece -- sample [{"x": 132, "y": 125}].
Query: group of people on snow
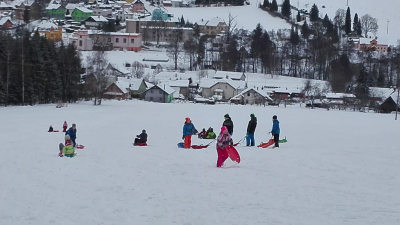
[
  {"x": 68, "y": 148},
  {"x": 224, "y": 138}
]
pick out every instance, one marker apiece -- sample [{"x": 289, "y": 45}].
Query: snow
[
  {"x": 383, "y": 10},
  {"x": 165, "y": 87},
  {"x": 123, "y": 86},
  {"x": 247, "y": 16},
  {"x": 85, "y": 10},
  {"x": 329, "y": 172},
  {"x": 99, "y": 18}
]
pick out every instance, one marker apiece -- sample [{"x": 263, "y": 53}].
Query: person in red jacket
[
  {"x": 224, "y": 139},
  {"x": 65, "y": 126}
]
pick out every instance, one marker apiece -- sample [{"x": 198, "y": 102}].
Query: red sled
[
  {"x": 80, "y": 146},
  {"x": 140, "y": 144},
  {"x": 55, "y": 130},
  {"x": 199, "y": 146},
  {"x": 266, "y": 145},
  {"x": 233, "y": 154}
]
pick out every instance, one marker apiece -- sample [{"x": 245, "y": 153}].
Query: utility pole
[
  {"x": 397, "y": 102},
  {"x": 347, "y": 2},
  {"x": 387, "y": 27}
]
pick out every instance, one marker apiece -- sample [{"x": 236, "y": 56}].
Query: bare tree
[
  {"x": 312, "y": 91},
  {"x": 231, "y": 26},
  {"x": 98, "y": 63},
  {"x": 339, "y": 19},
  {"x": 175, "y": 46},
  {"x": 137, "y": 69},
  {"x": 369, "y": 24},
  {"x": 190, "y": 46},
  {"x": 201, "y": 74}
]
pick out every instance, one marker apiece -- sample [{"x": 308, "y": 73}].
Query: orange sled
[{"x": 266, "y": 145}]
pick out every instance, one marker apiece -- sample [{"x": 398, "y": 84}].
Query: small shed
[
  {"x": 392, "y": 103},
  {"x": 159, "y": 93}
]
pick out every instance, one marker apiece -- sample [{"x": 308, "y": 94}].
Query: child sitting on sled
[
  {"x": 141, "y": 139},
  {"x": 210, "y": 134},
  {"x": 68, "y": 150},
  {"x": 202, "y": 134}
]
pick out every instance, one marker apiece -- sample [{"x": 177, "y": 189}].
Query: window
[
  {"x": 124, "y": 40},
  {"x": 151, "y": 91},
  {"x": 226, "y": 86},
  {"x": 160, "y": 91},
  {"x": 80, "y": 42},
  {"x": 132, "y": 41},
  {"x": 248, "y": 93},
  {"x": 117, "y": 40}
]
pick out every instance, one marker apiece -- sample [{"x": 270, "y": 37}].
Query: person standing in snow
[
  {"x": 65, "y": 126},
  {"x": 141, "y": 138},
  {"x": 275, "y": 130},
  {"x": 224, "y": 139},
  {"x": 188, "y": 131},
  {"x": 72, "y": 133},
  {"x": 251, "y": 128},
  {"x": 228, "y": 123}
]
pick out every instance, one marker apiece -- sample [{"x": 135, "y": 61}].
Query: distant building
[
  {"x": 368, "y": 44},
  {"x": 95, "y": 22},
  {"x": 30, "y": 5},
  {"x": 390, "y": 104},
  {"x": 138, "y": 7},
  {"x": 50, "y": 30},
  {"x": 159, "y": 93},
  {"x": 81, "y": 13},
  {"x": 214, "y": 26},
  {"x": 56, "y": 11},
  {"x": 87, "y": 40},
  {"x": 252, "y": 96},
  {"x": 5, "y": 23}
]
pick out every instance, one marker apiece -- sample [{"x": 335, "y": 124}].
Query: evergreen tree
[
  {"x": 355, "y": 22},
  {"x": 27, "y": 16},
  {"x": 305, "y": 30},
  {"x": 347, "y": 24},
  {"x": 274, "y": 6},
  {"x": 294, "y": 37},
  {"x": 341, "y": 74},
  {"x": 182, "y": 21},
  {"x": 266, "y": 4},
  {"x": 285, "y": 10},
  {"x": 314, "y": 13},
  {"x": 298, "y": 17},
  {"x": 326, "y": 21},
  {"x": 256, "y": 41},
  {"x": 265, "y": 50},
  {"x": 362, "y": 88}
]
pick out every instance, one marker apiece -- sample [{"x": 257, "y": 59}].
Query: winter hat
[
  {"x": 67, "y": 138},
  {"x": 275, "y": 117},
  {"x": 252, "y": 115},
  {"x": 226, "y": 116},
  {"x": 187, "y": 119},
  {"x": 224, "y": 128},
  {"x": 143, "y": 131},
  {"x": 74, "y": 125}
]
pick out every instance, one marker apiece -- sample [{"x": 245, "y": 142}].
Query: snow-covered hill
[{"x": 337, "y": 167}]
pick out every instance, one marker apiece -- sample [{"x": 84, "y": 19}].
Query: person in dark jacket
[
  {"x": 50, "y": 129},
  {"x": 141, "y": 138},
  {"x": 202, "y": 134},
  {"x": 275, "y": 130},
  {"x": 72, "y": 134},
  {"x": 251, "y": 128},
  {"x": 228, "y": 123}
]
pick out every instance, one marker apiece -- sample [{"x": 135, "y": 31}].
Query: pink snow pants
[{"x": 222, "y": 156}]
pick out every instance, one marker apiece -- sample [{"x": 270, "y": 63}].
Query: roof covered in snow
[
  {"x": 208, "y": 83},
  {"x": 215, "y": 21},
  {"x": 123, "y": 85},
  {"x": 260, "y": 92},
  {"x": 83, "y": 9},
  {"x": 166, "y": 88},
  {"x": 98, "y": 18},
  {"x": 228, "y": 75},
  {"x": 47, "y": 25},
  {"x": 338, "y": 95}
]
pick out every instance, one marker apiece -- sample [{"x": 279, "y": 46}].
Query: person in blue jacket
[
  {"x": 275, "y": 130},
  {"x": 72, "y": 134},
  {"x": 188, "y": 131}
]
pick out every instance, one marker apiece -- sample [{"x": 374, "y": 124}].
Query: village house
[
  {"x": 138, "y": 7},
  {"x": 56, "y": 11},
  {"x": 230, "y": 75},
  {"x": 181, "y": 87},
  {"x": 138, "y": 86},
  {"x": 159, "y": 93},
  {"x": 102, "y": 10},
  {"x": 118, "y": 90},
  {"x": 95, "y": 22},
  {"x": 221, "y": 89},
  {"x": 85, "y": 40},
  {"x": 339, "y": 98},
  {"x": 117, "y": 71},
  {"x": 6, "y": 7},
  {"x": 81, "y": 13},
  {"x": 252, "y": 96},
  {"x": 281, "y": 94},
  {"x": 368, "y": 44},
  {"x": 5, "y": 23},
  {"x": 30, "y": 5},
  {"x": 124, "y": 14},
  {"x": 213, "y": 27},
  {"x": 50, "y": 30},
  {"x": 392, "y": 103}
]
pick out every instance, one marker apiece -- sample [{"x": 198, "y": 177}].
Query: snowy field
[{"x": 337, "y": 167}]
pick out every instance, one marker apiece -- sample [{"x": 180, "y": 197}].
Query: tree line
[{"x": 34, "y": 70}]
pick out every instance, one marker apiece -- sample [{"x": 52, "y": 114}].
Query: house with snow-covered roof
[
  {"x": 371, "y": 44},
  {"x": 252, "y": 96},
  {"x": 224, "y": 89},
  {"x": 214, "y": 26},
  {"x": 81, "y": 13},
  {"x": 5, "y": 23},
  {"x": 95, "y": 21},
  {"x": 392, "y": 103},
  {"x": 6, "y": 7},
  {"x": 230, "y": 75},
  {"x": 118, "y": 90},
  {"x": 30, "y": 5},
  {"x": 56, "y": 11},
  {"x": 162, "y": 93},
  {"x": 50, "y": 30}
]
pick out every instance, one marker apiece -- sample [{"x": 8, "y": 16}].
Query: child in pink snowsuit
[
  {"x": 224, "y": 139},
  {"x": 65, "y": 126}
]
